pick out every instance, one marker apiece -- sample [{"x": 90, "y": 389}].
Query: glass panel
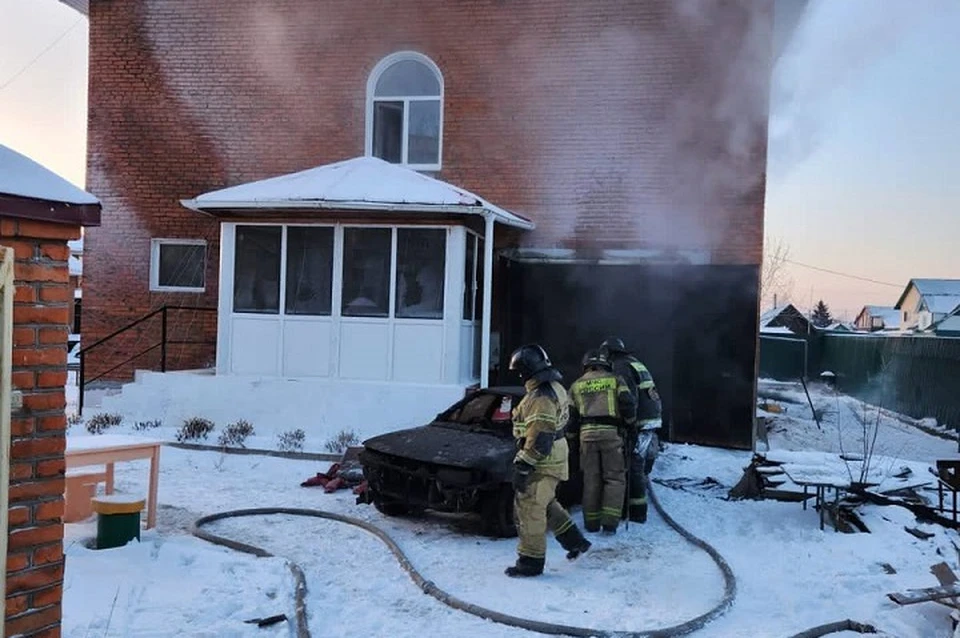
[
  {"x": 366, "y": 272},
  {"x": 478, "y": 314},
  {"x": 421, "y": 261},
  {"x": 181, "y": 265},
  {"x": 423, "y": 143},
  {"x": 256, "y": 270},
  {"x": 408, "y": 78},
  {"x": 469, "y": 285},
  {"x": 309, "y": 271},
  {"x": 388, "y": 131}
]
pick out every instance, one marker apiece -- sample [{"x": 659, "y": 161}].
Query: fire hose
[{"x": 429, "y": 587}]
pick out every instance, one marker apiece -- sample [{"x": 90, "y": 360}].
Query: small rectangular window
[
  {"x": 309, "y": 271},
  {"x": 256, "y": 270},
  {"x": 421, "y": 268},
  {"x": 177, "y": 265},
  {"x": 367, "y": 253},
  {"x": 388, "y": 131}
]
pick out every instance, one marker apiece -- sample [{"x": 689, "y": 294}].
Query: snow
[
  {"x": 780, "y": 330},
  {"x": 937, "y": 286},
  {"x": 366, "y": 181},
  {"x": 790, "y": 574},
  {"x": 102, "y": 441},
  {"x": 22, "y": 177},
  {"x": 942, "y": 304},
  {"x": 320, "y": 407}
]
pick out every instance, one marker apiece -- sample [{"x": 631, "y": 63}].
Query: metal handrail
[{"x": 162, "y": 311}]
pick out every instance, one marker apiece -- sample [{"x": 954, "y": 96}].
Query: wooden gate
[{"x": 6, "y": 392}]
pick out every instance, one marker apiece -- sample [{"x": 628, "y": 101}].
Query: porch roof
[{"x": 359, "y": 184}]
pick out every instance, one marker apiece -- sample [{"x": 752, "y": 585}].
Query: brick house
[
  {"x": 39, "y": 213},
  {"x": 629, "y": 139}
]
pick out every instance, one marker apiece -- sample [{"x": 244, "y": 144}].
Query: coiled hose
[{"x": 428, "y": 587}]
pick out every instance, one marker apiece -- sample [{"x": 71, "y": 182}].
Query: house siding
[
  {"x": 610, "y": 124},
  {"x": 42, "y": 304}
]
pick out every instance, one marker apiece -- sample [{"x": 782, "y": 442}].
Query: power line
[
  {"x": 843, "y": 274},
  {"x": 40, "y": 55}
]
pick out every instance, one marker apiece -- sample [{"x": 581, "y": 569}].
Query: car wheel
[
  {"x": 496, "y": 513},
  {"x": 391, "y": 508}
]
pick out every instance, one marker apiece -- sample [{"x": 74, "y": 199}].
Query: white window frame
[
  {"x": 378, "y": 71},
  {"x": 155, "y": 245}
]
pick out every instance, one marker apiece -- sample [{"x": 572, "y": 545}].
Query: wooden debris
[
  {"x": 888, "y": 568},
  {"x": 919, "y": 533},
  {"x": 912, "y": 596}
]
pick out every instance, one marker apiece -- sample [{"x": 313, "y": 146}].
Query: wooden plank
[
  {"x": 913, "y": 596},
  {"x": 946, "y": 578},
  {"x": 919, "y": 533}
]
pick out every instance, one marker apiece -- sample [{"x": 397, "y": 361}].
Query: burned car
[{"x": 460, "y": 462}]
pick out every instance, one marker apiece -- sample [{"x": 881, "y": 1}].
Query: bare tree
[{"x": 775, "y": 281}]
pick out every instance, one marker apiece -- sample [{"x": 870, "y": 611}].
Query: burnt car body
[{"x": 460, "y": 462}]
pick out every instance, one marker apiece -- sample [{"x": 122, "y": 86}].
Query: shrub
[
  {"x": 140, "y": 426},
  {"x": 102, "y": 421},
  {"x": 235, "y": 434},
  {"x": 343, "y": 440},
  {"x": 195, "y": 428},
  {"x": 291, "y": 440}
]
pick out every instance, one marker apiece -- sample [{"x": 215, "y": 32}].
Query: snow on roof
[
  {"x": 932, "y": 287},
  {"x": 20, "y": 176},
  {"x": 365, "y": 183},
  {"x": 942, "y": 304},
  {"x": 890, "y": 315},
  {"x": 779, "y": 330},
  {"x": 950, "y": 324}
]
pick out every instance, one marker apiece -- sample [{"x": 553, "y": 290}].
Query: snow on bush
[
  {"x": 291, "y": 440},
  {"x": 102, "y": 421},
  {"x": 343, "y": 439},
  {"x": 235, "y": 434},
  {"x": 195, "y": 428}
]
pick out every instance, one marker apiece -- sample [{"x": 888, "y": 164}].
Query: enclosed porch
[{"x": 360, "y": 270}]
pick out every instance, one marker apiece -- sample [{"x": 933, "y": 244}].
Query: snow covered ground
[{"x": 790, "y": 574}]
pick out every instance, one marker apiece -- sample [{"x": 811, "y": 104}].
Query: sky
[{"x": 863, "y": 154}]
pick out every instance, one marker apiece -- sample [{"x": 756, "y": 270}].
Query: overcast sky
[{"x": 864, "y": 151}]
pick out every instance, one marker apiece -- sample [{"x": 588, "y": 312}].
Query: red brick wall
[
  {"x": 41, "y": 310},
  {"x": 622, "y": 124}
]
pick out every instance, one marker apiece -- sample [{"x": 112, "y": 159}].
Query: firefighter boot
[
  {"x": 638, "y": 510},
  {"x": 526, "y": 566},
  {"x": 573, "y": 541}
]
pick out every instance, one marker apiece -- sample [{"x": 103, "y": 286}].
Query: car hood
[{"x": 445, "y": 445}]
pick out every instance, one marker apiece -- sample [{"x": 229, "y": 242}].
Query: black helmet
[
  {"x": 528, "y": 360},
  {"x": 613, "y": 344},
  {"x": 596, "y": 359}
]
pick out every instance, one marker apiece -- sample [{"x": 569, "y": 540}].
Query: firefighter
[
  {"x": 645, "y": 444},
  {"x": 603, "y": 411},
  {"x": 540, "y": 464}
]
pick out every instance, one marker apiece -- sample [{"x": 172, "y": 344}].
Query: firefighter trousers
[
  {"x": 604, "y": 481},
  {"x": 637, "y": 506},
  {"x": 537, "y": 509}
]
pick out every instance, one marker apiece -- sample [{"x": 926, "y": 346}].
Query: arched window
[{"x": 405, "y": 111}]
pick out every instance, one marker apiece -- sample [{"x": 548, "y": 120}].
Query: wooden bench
[{"x": 81, "y": 488}]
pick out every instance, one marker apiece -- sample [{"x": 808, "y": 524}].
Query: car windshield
[{"x": 485, "y": 410}]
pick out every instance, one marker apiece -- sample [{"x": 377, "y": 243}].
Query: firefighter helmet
[
  {"x": 613, "y": 345},
  {"x": 528, "y": 360},
  {"x": 596, "y": 359}
]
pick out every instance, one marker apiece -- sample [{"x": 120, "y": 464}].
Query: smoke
[
  {"x": 832, "y": 47},
  {"x": 650, "y": 132}
]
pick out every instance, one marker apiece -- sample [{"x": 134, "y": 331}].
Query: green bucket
[{"x": 118, "y": 520}]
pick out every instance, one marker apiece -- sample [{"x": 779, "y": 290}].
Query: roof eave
[{"x": 209, "y": 208}]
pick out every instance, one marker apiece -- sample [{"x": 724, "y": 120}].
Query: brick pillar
[{"x": 41, "y": 312}]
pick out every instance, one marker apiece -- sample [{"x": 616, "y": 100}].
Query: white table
[{"x": 107, "y": 449}]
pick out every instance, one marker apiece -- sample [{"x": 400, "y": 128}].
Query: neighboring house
[
  {"x": 785, "y": 320},
  {"x": 39, "y": 213},
  {"x": 949, "y": 326},
  {"x": 403, "y": 193},
  {"x": 837, "y": 326},
  {"x": 927, "y": 301},
  {"x": 873, "y": 318}
]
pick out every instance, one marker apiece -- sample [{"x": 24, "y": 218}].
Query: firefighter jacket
[
  {"x": 600, "y": 404},
  {"x": 538, "y": 428},
  {"x": 640, "y": 381}
]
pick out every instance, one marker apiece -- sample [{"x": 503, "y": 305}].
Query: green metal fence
[
  {"x": 783, "y": 358},
  {"x": 914, "y": 375}
]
